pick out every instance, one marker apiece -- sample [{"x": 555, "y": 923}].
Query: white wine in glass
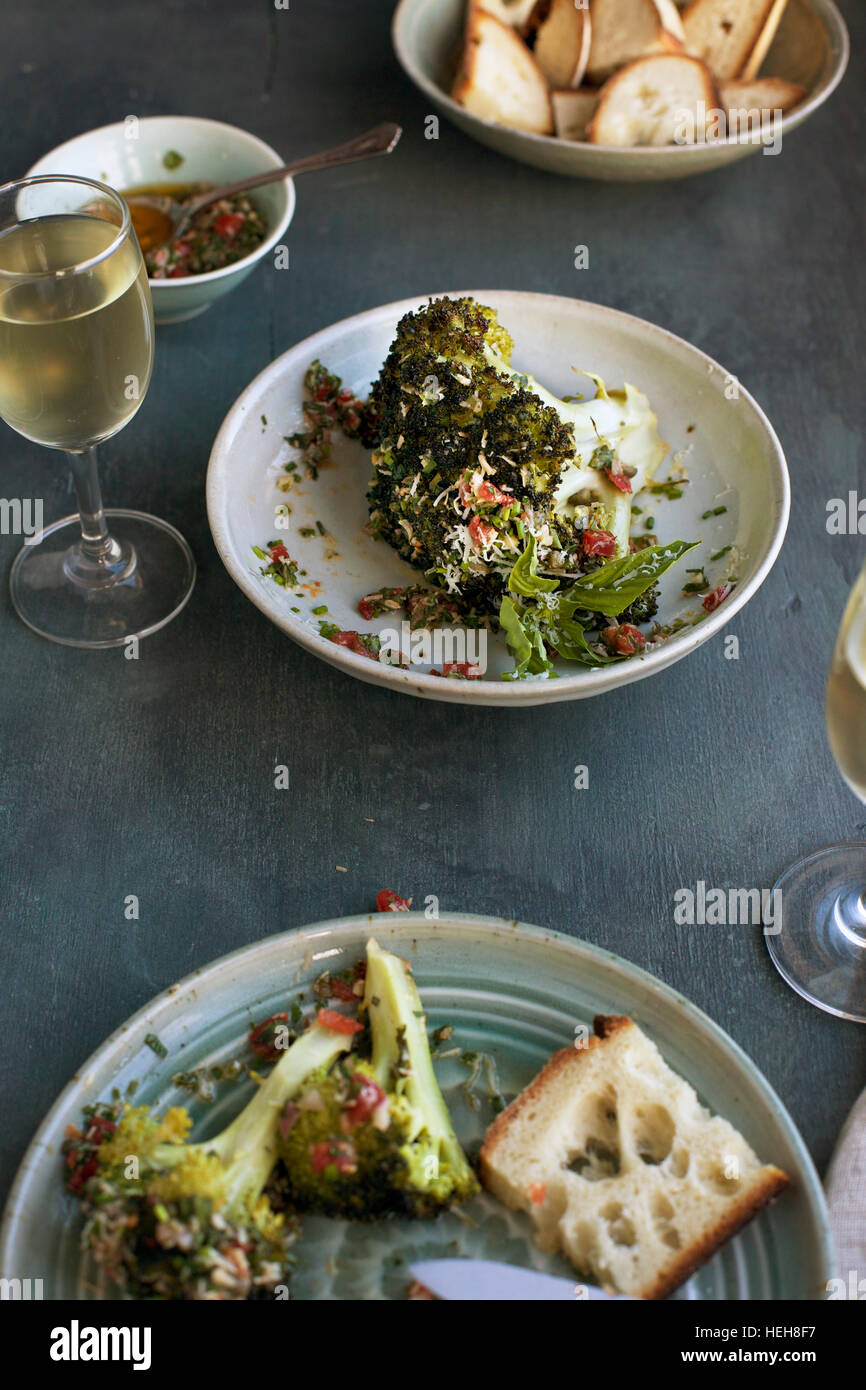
[
  {"x": 76, "y": 354},
  {"x": 818, "y": 941}
]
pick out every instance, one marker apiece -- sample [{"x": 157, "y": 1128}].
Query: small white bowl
[
  {"x": 131, "y": 153},
  {"x": 426, "y": 38}
]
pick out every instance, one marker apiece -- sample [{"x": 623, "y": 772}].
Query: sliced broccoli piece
[
  {"x": 371, "y": 1138},
  {"x": 401, "y": 1062}
]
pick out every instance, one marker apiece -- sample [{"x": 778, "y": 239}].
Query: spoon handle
[{"x": 380, "y": 140}]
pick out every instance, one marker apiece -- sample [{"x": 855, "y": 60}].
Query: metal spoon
[{"x": 380, "y": 140}]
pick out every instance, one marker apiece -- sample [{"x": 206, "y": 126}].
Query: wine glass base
[
  {"x": 817, "y": 941},
  {"x": 147, "y": 589}
]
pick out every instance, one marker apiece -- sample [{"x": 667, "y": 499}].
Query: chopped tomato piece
[
  {"x": 480, "y": 533},
  {"x": 228, "y": 224},
  {"x": 467, "y": 669},
  {"x": 484, "y": 491},
  {"x": 352, "y": 640},
  {"x": 625, "y": 639},
  {"x": 278, "y": 552},
  {"x": 370, "y": 1095},
  {"x": 340, "y": 990},
  {"x": 262, "y": 1039},
  {"x": 338, "y": 1023},
  {"x": 339, "y": 1154},
  {"x": 389, "y": 901},
  {"x": 712, "y": 601},
  {"x": 618, "y": 476},
  {"x": 599, "y": 543},
  {"x": 178, "y": 272},
  {"x": 537, "y": 1192}
]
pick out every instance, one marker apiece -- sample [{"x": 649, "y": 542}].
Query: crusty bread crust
[
  {"x": 464, "y": 81},
  {"x": 701, "y": 15},
  {"x": 761, "y": 94},
  {"x": 750, "y": 1204}
]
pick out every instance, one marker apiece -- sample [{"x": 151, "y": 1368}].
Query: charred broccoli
[
  {"x": 478, "y": 467},
  {"x": 172, "y": 1220},
  {"x": 370, "y": 1137}
]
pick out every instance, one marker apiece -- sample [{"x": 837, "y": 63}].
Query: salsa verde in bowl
[{"x": 173, "y": 153}]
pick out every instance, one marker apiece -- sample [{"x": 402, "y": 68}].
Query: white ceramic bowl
[
  {"x": 813, "y": 51},
  {"x": 131, "y": 153},
  {"x": 730, "y": 449}
]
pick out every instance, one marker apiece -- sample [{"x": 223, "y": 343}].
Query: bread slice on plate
[
  {"x": 573, "y": 111},
  {"x": 515, "y": 13},
  {"x": 560, "y": 33},
  {"x": 724, "y": 32},
  {"x": 762, "y": 94},
  {"x": 667, "y": 99},
  {"x": 499, "y": 79},
  {"x": 623, "y": 30},
  {"x": 621, "y": 1168}
]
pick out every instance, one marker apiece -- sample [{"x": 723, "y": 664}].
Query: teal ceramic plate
[{"x": 513, "y": 990}]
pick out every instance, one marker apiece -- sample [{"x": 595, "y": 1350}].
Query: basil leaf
[
  {"x": 523, "y": 578},
  {"x": 518, "y": 643},
  {"x": 568, "y": 639},
  {"x": 617, "y": 584},
  {"x": 524, "y": 640}
]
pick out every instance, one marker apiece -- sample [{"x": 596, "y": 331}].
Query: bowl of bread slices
[{"x": 624, "y": 89}]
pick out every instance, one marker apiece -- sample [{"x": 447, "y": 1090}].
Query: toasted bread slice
[
  {"x": 559, "y": 32},
  {"x": 499, "y": 79},
  {"x": 724, "y": 32},
  {"x": 573, "y": 111},
  {"x": 663, "y": 100},
  {"x": 514, "y": 13},
  {"x": 764, "y": 94},
  {"x": 623, "y": 30},
  {"x": 755, "y": 60},
  {"x": 620, "y": 1166}
]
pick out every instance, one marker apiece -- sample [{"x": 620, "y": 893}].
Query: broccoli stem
[
  {"x": 247, "y": 1147},
  {"x": 401, "y": 1051}
]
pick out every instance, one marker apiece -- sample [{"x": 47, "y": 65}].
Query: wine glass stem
[
  {"x": 97, "y": 561},
  {"x": 95, "y": 540}
]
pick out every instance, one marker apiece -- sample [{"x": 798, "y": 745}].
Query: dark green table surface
[{"x": 155, "y": 777}]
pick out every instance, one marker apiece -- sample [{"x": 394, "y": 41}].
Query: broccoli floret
[
  {"x": 173, "y": 1220},
  {"x": 370, "y": 1138},
  {"x": 469, "y": 454}
]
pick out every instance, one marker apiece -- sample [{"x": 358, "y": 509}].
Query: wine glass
[
  {"x": 818, "y": 938},
  {"x": 76, "y": 353}
]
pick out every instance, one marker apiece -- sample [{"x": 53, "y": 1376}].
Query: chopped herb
[
  {"x": 322, "y": 608},
  {"x": 153, "y": 1042},
  {"x": 720, "y": 554},
  {"x": 713, "y": 511},
  {"x": 650, "y": 523},
  {"x": 306, "y": 532},
  {"x": 172, "y": 160}
]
